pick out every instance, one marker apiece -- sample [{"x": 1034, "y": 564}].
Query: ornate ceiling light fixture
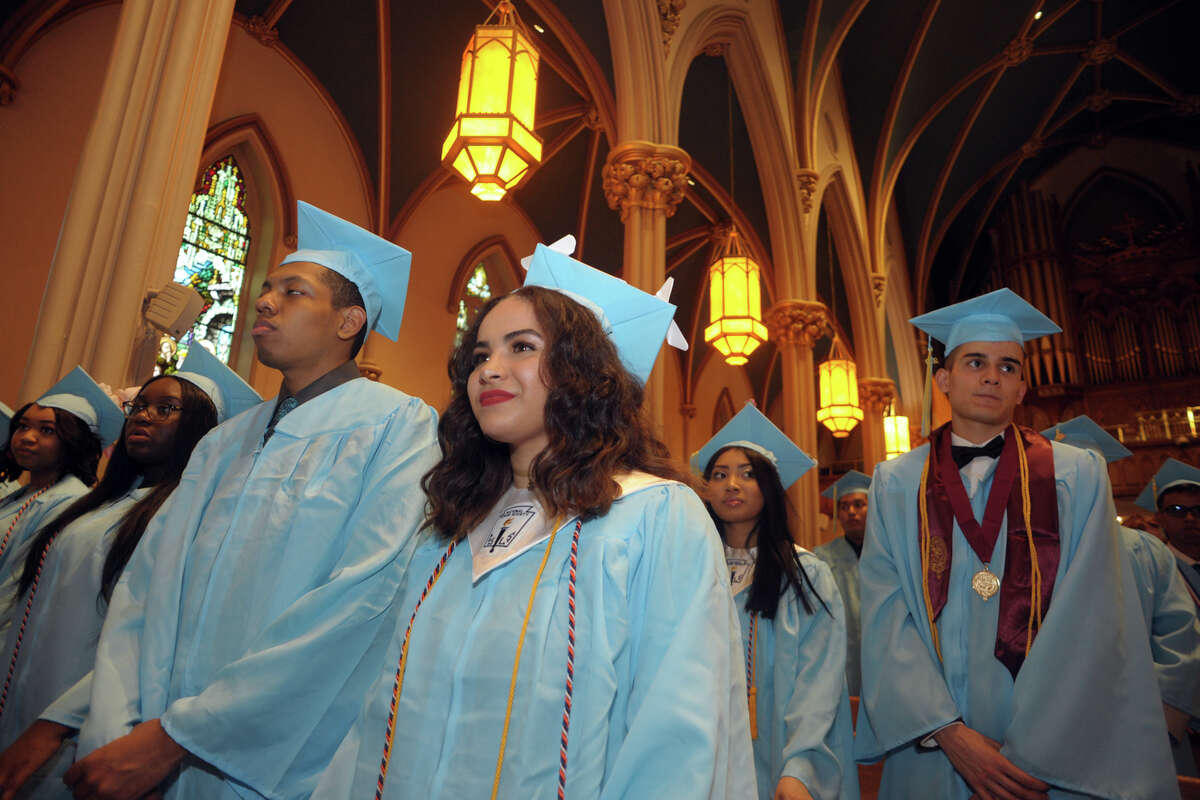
[{"x": 492, "y": 143}]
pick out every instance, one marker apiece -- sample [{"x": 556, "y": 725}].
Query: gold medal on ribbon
[{"x": 985, "y": 583}]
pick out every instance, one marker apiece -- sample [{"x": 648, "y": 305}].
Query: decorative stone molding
[
  {"x": 879, "y": 287},
  {"x": 668, "y": 19},
  {"x": 262, "y": 31},
  {"x": 807, "y": 180},
  {"x": 1031, "y": 148},
  {"x": 8, "y": 85},
  {"x": 797, "y": 322},
  {"x": 370, "y": 370},
  {"x": 1098, "y": 101},
  {"x": 688, "y": 411},
  {"x": 591, "y": 118},
  {"x": 714, "y": 49},
  {"x": 876, "y": 394},
  {"x": 1100, "y": 51},
  {"x": 1018, "y": 51},
  {"x": 645, "y": 175}
]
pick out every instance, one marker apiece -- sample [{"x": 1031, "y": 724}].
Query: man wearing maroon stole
[{"x": 1004, "y": 654}]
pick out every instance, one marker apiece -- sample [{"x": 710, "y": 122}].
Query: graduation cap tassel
[{"x": 927, "y": 406}]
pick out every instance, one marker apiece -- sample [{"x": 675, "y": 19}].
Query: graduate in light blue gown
[
  {"x": 8, "y": 485},
  {"x": 242, "y": 637},
  {"x": 849, "y": 496},
  {"x": 565, "y": 623},
  {"x": 1010, "y": 659},
  {"x": 72, "y": 567},
  {"x": 793, "y": 623},
  {"x": 1170, "y": 613},
  {"x": 57, "y": 439}
]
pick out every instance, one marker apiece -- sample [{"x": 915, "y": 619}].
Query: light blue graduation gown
[
  {"x": 1170, "y": 616},
  {"x": 40, "y": 513},
  {"x": 805, "y": 729},
  {"x": 59, "y": 644},
  {"x": 1083, "y": 714},
  {"x": 659, "y": 706},
  {"x": 251, "y": 617},
  {"x": 843, "y": 563}
]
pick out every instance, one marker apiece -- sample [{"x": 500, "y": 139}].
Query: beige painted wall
[{"x": 41, "y": 138}]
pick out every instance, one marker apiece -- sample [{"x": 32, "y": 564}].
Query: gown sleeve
[
  {"x": 1174, "y": 633},
  {"x": 71, "y": 708},
  {"x": 1070, "y": 726},
  {"x": 904, "y": 694},
  {"x": 688, "y": 729},
  {"x": 272, "y": 718},
  {"x": 818, "y": 746}
]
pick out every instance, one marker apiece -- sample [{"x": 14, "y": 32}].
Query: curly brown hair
[{"x": 594, "y": 422}]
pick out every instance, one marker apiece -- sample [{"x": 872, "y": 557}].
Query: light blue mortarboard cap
[
  {"x": 6, "y": 415},
  {"x": 636, "y": 321},
  {"x": 750, "y": 429},
  {"x": 78, "y": 394},
  {"x": 229, "y": 393},
  {"x": 376, "y": 266},
  {"x": 1171, "y": 475},
  {"x": 1083, "y": 432},
  {"x": 999, "y": 316},
  {"x": 853, "y": 482}
]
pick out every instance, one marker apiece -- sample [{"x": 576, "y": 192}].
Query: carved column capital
[
  {"x": 262, "y": 31},
  {"x": 8, "y": 85},
  {"x": 370, "y": 370},
  {"x": 797, "y": 322},
  {"x": 876, "y": 394},
  {"x": 878, "y": 287},
  {"x": 688, "y": 410},
  {"x": 807, "y": 181},
  {"x": 645, "y": 175},
  {"x": 668, "y": 19}
]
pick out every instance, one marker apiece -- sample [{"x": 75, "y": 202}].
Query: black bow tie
[{"x": 963, "y": 454}]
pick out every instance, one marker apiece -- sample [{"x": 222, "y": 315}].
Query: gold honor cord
[
  {"x": 752, "y": 688},
  {"x": 925, "y": 538},
  {"x": 1035, "y": 591},
  {"x": 512, "y": 686}
]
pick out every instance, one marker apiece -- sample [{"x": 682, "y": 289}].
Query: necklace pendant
[{"x": 985, "y": 583}]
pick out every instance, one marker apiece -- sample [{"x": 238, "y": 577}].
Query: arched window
[
  {"x": 475, "y": 294},
  {"x": 212, "y": 260}
]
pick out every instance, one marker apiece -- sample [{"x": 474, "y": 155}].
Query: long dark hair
[
  {"x": 196, "y": 419},
  {"x": 80, "y": 447},
  {"x": 594, "y": 422},
  {"x": 777, "y": 565}
]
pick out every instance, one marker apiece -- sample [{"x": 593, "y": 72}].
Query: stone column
[
  {"x": 124, "y": 220},
  {"x": 646, "y": 183},
  {"x": 876, "y": 396},
  {"x": 795, "y": 326}
]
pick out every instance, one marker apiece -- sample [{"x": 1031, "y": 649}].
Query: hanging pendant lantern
[
  {"x": 735, "y": 303},
  {"x": 492, "y": 143},
  {"x": 896, "y": 440},
  {"x": 839, "y": 410}
]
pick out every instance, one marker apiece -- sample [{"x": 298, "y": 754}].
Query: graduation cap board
[
  {"x": 751, "y": 430},
  {"x": 1173, "y": 474},
  {"x": 376, "y": 266},
  {"x": 636, "y": 321},
  {"x": 78, "y": 394},
  {"x": 229, "y": 393},
  {"x": 999, "y": 316},
  {"x": 853, "y": 482},
  {"x": 6, "y": 415},
  {"x": 1083, "y": 432}
]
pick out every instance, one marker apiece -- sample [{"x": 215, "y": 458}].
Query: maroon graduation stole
[{"x": 1022, "y": 486}]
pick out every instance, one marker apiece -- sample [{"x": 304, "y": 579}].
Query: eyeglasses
[
  {"x": 1180, "y": 512},
  {"x": 156, "y": 413}
]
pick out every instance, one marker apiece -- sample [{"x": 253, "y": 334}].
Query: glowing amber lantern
[
  {"x": 839, "y": 410},
  {"x": 896, "y": 440},
  {"x": 492, "y": 143},
  {"x": 735, "y": 303}
]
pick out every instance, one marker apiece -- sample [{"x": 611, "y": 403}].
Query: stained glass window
[
  {"x": 476, "y": 294},
  {"x": 212, "y": 260}
]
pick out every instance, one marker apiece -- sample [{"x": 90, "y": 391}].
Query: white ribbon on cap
[{"x": 566, "y": 246}]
